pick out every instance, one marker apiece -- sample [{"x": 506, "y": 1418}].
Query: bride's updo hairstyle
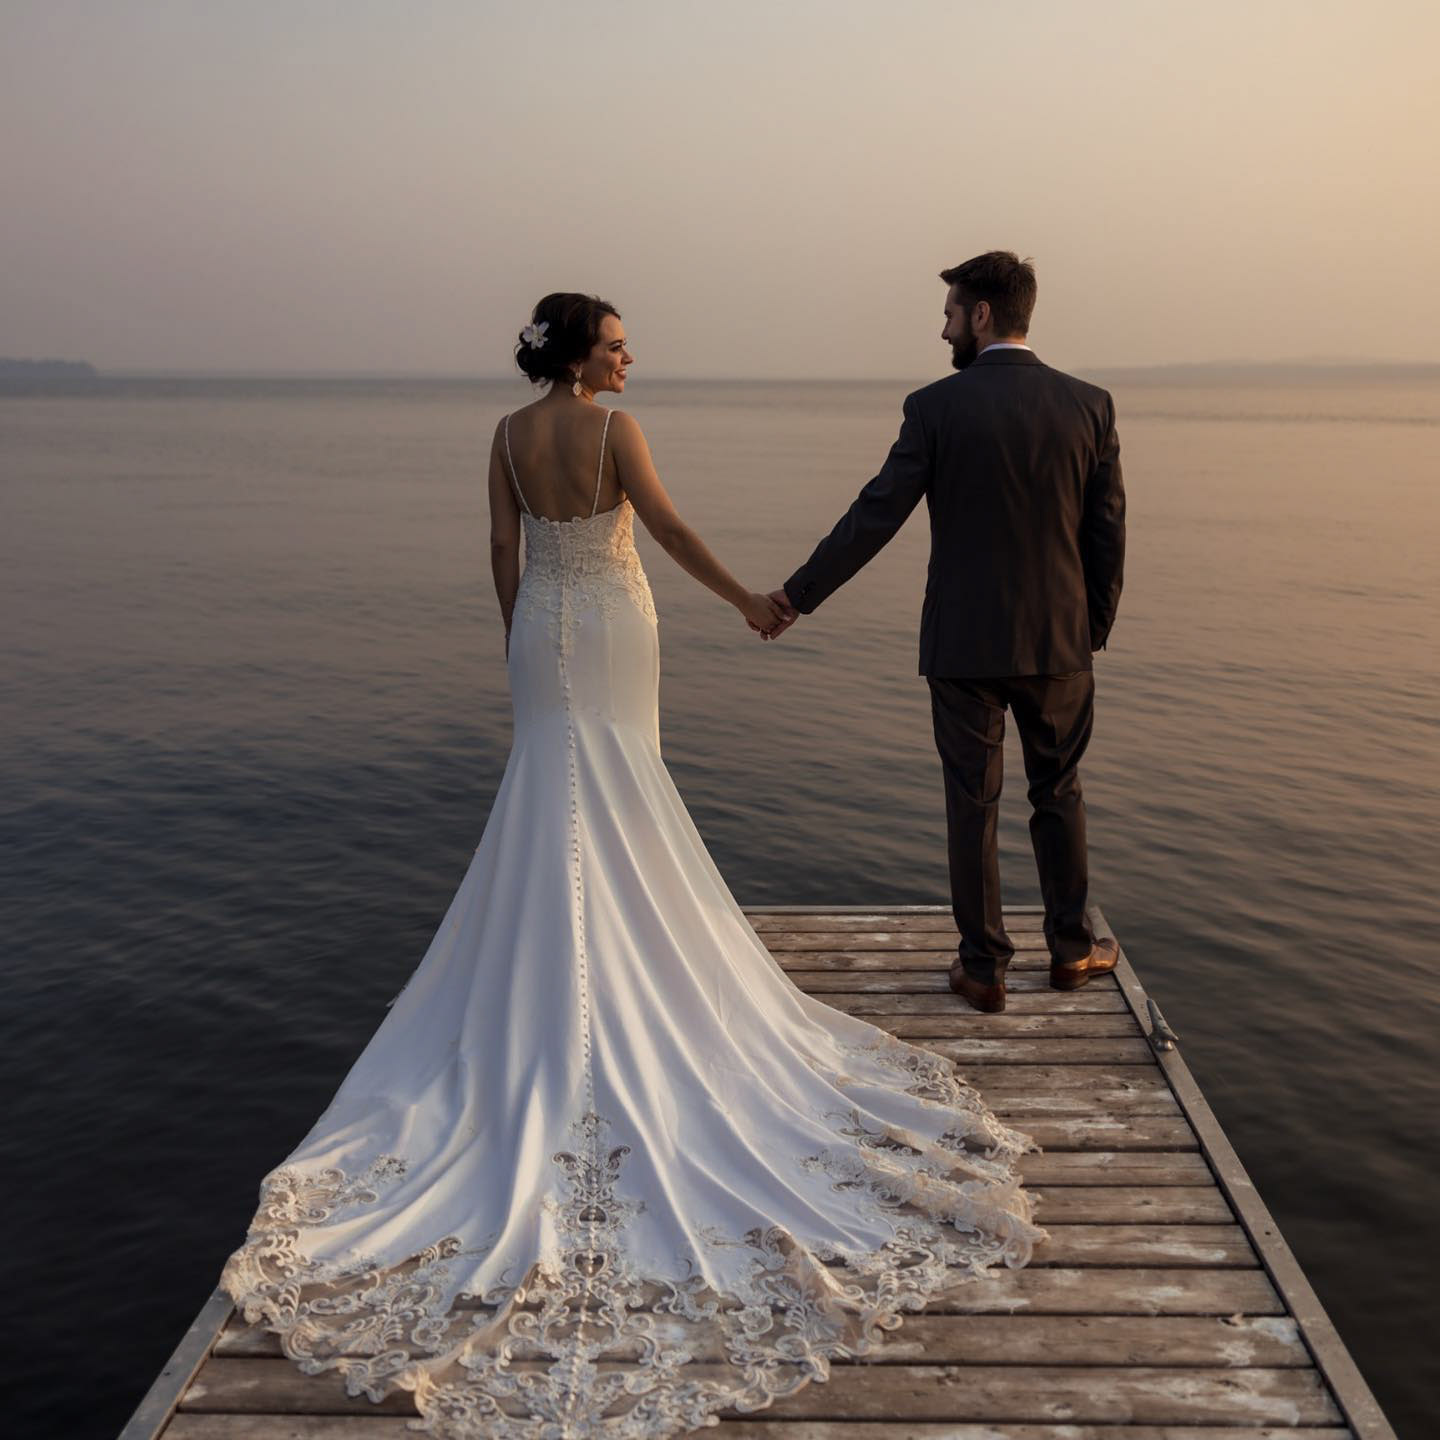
[{"x": 572, "y": 326}]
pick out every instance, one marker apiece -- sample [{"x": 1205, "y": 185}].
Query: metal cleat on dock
[{"x": 1161, "y": 1036}]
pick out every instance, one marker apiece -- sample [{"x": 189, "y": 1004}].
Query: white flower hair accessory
[{"x": 534, "y": 335}]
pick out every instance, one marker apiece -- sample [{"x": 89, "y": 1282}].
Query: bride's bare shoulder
[
  {"x": 625, "y": 428},
  {"x": 523, "y": 413},
  {"x": 520, "y": 424}
]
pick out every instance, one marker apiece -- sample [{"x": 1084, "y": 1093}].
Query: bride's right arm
[
  {"x": 657, "y": 513},
  {"x": 504, "y": 536}
]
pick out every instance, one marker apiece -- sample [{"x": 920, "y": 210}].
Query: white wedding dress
[{"x": 604, "y": 1170}]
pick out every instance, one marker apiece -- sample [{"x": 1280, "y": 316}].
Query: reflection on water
[{"x": 256, "y": 713}]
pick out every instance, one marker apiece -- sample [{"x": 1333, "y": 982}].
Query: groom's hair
[{"x": 1003, "y": 279}]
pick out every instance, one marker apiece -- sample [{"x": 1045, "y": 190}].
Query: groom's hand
[{"x": 788, "y": 613}]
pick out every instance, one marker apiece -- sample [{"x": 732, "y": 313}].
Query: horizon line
[{"x": 337, "y": 373}]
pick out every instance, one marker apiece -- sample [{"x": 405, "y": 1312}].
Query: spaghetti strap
[
  {"x": 600, "y": 473},
  {"x": 514, "y": 478}
]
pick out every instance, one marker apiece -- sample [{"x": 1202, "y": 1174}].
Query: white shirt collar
[{"x": 1004, "y": 345}]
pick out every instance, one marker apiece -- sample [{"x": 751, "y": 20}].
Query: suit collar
[{"x": 1006, "y": 357}]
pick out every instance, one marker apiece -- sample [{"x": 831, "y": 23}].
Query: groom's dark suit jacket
[{"x": 1019, "y": 465}]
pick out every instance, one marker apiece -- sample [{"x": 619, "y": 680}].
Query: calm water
[{"x": 255, "y": 713}]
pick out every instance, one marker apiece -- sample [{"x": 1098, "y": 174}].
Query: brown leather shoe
[
  {"x": 1075, "y": 973},
  {"x": 989, "y": 998}
]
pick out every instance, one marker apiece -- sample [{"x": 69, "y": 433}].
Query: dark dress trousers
[{"x": 1019, "y": 465}]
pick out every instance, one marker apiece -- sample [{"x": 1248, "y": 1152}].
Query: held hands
[{"x": 770, "y": 615}]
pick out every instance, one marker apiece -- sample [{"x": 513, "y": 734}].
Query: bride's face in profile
[{"x": 604, "y": 367}]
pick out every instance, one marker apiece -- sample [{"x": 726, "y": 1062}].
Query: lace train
[{"x": 581, "y": 1346}]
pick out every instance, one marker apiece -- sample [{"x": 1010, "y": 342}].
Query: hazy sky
[{"x": 764, "y": 189}]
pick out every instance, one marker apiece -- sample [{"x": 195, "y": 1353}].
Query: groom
[{"x": 1019, "y": 465}]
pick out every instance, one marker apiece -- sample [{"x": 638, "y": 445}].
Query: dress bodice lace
[{"x": 586, "y": 563}]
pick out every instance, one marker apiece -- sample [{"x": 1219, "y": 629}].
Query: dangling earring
[{"x": 575, "y": 388}]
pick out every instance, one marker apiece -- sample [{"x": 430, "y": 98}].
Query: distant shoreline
[
  {"x": 1179, "y": 373},
  {"x": 1268, "y": 372},
  {"x": 12, "y": 369}
]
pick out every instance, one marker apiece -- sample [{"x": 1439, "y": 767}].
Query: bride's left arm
[
  {"x": 657, "y": 513},
  {"x": 504, "y": 536}
]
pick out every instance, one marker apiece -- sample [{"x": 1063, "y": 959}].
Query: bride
[{"x": 604, "y": 1170}]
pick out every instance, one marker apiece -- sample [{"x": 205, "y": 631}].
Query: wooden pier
[{"x": 1165, "y": 1305}]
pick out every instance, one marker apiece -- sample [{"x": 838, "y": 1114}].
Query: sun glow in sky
[{"x": 764, "y": 189}]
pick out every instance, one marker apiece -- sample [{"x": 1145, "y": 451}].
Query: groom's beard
[{"x": 962, "y": 353}]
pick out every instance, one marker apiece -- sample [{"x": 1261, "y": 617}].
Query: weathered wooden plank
[
  {"x": 1115, "y": 1167},
  {"x": 1107, "y": 1129},
  {"x": 1109, "y": 1132},
  {"x": 1137, "y": 1205},
  {"x": 883, "y": 921},
  {"x": 1059, "y": 1051},
  {"x": 1269, "y": 1342},
  {"x": 1201, "y": 1246},
  {"x": 1159, "y": 1290},
  {"x": 1073, "y": 1393},
  {"x": 383, "y": 1427},
  {"x": 912, "y": 977},
  {"x": 944, "y": 1001},
  {"x": 1027, "y": 947},
  {"x": 898, "y": 961},
  {"x": 1012, "y": 911},
  {"x": 951, "y": 1430},
  {"x": 1086, "y": 1393},
  {"x": 278, "y": 1387},
  {"x": 961, "y": 1024},
  {"x": 196, "y": 1426},
  {"x": 1016, "y": 1104},
  {"x": 1047, "y": 1177},
  {"x": 1143, "y": 1079}
]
